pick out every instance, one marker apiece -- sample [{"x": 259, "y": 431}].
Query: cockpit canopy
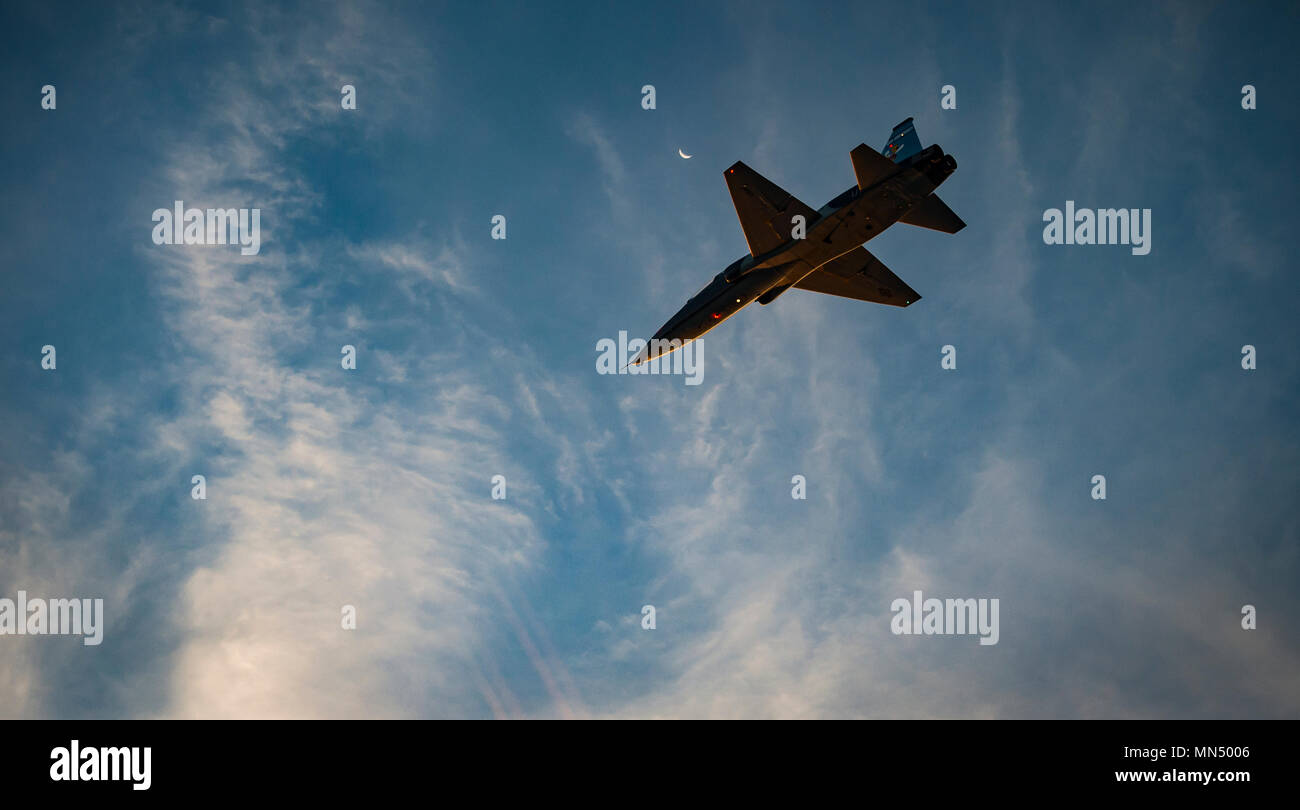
[{"x": 737, "y": 269}]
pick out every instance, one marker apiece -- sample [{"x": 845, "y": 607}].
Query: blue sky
[{"x": 477, "y": 357}]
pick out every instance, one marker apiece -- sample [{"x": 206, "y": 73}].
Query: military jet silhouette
[{"x": 791, "y": 245}]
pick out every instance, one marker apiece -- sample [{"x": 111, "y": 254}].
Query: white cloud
[{"x": 328, "y": 493}]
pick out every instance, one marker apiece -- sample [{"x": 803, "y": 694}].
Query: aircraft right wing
[
  {"x": 859, "y": 275},
  {"x": 765, "y": 209}
]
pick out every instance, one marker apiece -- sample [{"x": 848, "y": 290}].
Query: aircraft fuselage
[{"x": 847, "y": 221}]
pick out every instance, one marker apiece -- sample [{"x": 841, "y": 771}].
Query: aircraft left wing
[
  {"x": 765, "y": 209},
  {"x": 859, "y": 275}
]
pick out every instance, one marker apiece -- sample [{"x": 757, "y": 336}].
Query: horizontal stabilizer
[
  {"x": 859, "y": 275},
  {"x": 933, "y": 214},
  {"x": 870, "y": 166},
  {"x": 766, "y": 210}
]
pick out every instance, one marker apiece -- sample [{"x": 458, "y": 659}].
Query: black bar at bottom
[{"x": 672, "y": 760}]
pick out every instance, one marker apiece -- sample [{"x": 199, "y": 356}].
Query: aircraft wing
[
  {"x": 765, "y": 209},
  {"x": 857, "y": 274}
]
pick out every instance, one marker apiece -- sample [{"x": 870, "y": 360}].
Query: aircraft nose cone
[
  {"x": 642, "y": 356},
  {"x": 657, "y": 346}
]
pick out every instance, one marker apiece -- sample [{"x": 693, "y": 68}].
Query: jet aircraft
[{"x": 791, "y": 245}]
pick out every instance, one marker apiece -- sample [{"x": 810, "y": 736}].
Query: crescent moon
[{"x": 683, "y": 154}]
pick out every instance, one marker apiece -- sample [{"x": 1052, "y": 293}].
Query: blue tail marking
[{"x": 903, "y": 142}]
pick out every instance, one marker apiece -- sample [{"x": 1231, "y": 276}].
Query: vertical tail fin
[{"x": 903, "y": 142}]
